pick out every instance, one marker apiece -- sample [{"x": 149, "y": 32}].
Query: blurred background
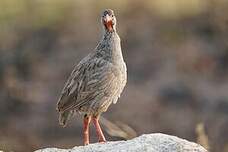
[{"x": 176, "y": 53}]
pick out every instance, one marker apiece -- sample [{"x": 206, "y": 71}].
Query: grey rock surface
[{"x": 156, "y": 142}]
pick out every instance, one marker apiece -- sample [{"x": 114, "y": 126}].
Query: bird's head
[{"x": 108, "y": 19}]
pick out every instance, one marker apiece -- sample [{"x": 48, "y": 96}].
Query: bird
[{"x": 96, "y": 81}]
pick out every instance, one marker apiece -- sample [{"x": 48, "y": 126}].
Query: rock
[{"x": 156, "y": 142}]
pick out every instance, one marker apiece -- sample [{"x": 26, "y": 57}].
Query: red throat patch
[{"x": 108, "y": 26}]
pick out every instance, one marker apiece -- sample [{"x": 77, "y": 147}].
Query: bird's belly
[
  {"x": 101, "y": 103},
  {"x": 96, "y": 107}
]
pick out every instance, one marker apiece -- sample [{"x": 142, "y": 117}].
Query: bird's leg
[
  {"x": 99, "y": 132},
  {"x": 86, "y": 123}
]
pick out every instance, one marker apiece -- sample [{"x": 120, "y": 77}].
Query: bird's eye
[{"x": 112, "y": 15}]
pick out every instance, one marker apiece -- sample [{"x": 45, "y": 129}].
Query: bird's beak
[{"x": 108, "y": 23}]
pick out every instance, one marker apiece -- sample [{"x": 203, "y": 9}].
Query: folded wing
[{"x": 90, "y": 82}]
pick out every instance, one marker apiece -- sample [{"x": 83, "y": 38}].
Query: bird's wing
[{"x": 92, "y": 79}]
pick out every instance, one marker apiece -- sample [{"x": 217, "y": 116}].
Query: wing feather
[{"x": 89, "y": 80}]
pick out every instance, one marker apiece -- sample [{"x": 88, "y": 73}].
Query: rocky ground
[{"x": 156, "y": 142}]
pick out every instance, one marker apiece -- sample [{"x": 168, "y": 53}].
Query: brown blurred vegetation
[{"x": 177, "y": 57}]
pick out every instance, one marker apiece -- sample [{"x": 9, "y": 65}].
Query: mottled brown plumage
[{"x": 97, "y": 81}]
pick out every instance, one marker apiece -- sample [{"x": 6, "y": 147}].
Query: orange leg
[
  {"x": 99, "y": 132},
  {"x": 86, "y": 123}
]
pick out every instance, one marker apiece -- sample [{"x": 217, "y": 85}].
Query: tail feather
[{"x": 64, "y": 117}]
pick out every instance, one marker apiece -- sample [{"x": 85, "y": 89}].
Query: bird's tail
[{"x": 64, "y": 117}]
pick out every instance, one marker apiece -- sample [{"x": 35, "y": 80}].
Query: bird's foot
[
  {"x": 102, "y": 141},
  {"x": 86, "y": 143}
]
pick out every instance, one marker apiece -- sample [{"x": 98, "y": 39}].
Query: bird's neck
[{"x": 110, "y": 47}]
